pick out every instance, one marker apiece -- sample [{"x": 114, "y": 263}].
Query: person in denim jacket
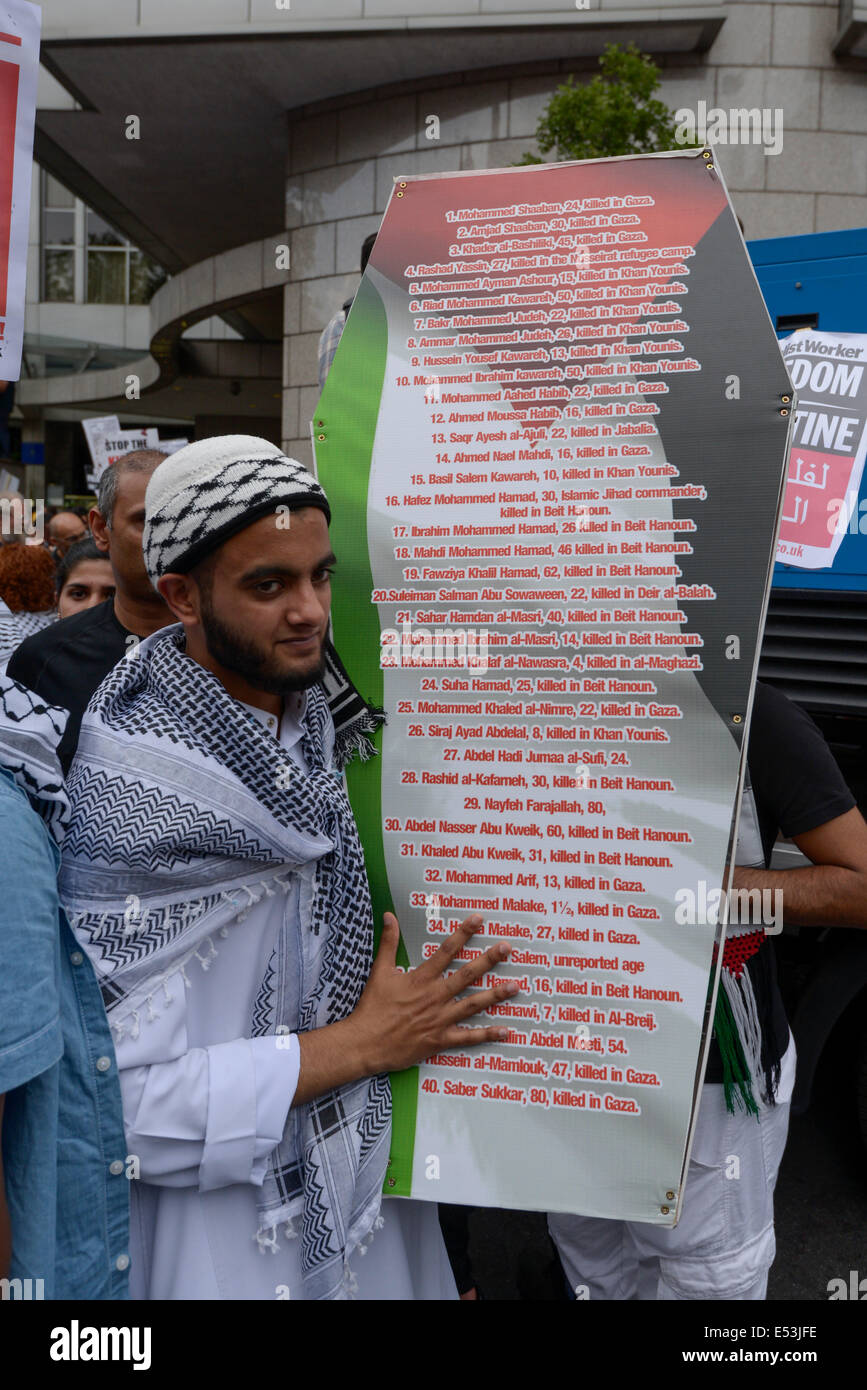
[{"x": 64, "y": 1191}]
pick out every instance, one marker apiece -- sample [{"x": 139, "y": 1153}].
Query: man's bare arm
[
  {"x": 832, "y": 892},
  {"x": 404, "y": 1016}
]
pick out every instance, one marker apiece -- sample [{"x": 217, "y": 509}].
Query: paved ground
[{"x": 821, "y": 1210}]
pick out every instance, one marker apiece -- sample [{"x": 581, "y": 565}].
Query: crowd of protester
[
  {"x": 42, "y": 580},
  {"x": 207, "y": 1094},
  {"x": 195, "y": 1033}
]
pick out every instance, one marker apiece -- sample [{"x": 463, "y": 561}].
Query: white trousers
[{"x": 723, "y": 1246}]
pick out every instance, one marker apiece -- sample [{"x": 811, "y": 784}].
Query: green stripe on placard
[{"x": 344, "y": 429}]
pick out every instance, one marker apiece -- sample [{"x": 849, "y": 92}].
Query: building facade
[{"x": 245, "y": 148}]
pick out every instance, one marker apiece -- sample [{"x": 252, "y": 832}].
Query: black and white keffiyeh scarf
[
  {"x": 30, "y": 731},
  {"x": 182, "y": 809},
  {"x": 14, "y": 627}
]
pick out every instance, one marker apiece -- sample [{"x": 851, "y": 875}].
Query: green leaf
[{"x": 612, "y": 113}]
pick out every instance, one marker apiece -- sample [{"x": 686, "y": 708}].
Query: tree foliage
[{"x": 615, "y": 113}]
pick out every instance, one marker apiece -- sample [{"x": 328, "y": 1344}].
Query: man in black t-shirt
[
  {"x": 792, "y": 786},
  {"x": 723, "y": 1246},
  {"x": 68, "y": 660}
]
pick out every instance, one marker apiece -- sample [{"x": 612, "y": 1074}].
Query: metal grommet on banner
[
  {"x": 665, "y": 1210},
  {"x": 709, "y": 167},
  {"x": 670, "y": 1196},
  {"x": 784, "y": 412},
  {"x": 400, "y": 195},
  {"x": 392, "y": 1182},
  {"x": 785, "y": 399},
  {"x": 401, "y": 185},
  {"x": 737, "y": 719},
  {"x": 706, "y": 154},
  {"x": 320, "y": 436}
]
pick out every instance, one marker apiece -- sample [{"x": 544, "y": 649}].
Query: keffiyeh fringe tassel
[
  {"x": 354, "y": 739},
  {"x": 266, "y": 1239},
  {"x": 266, "y": 1236},
  {"x": 352, "y": 716},
  {"x": 738, "y": 1034},
  {"x": 349, "y": 1287},
  {"x": 255, "y": 893}
]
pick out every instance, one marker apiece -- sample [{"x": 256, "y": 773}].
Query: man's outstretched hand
[{"x": 404, "y": 1016}]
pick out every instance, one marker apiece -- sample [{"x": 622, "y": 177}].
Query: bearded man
[{"x": 213, "y": 873}]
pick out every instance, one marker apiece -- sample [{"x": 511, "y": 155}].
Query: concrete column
[{"x": 33, "y": 457}]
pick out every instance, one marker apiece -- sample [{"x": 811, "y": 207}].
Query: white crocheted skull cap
[{"x": 210, "y": 490}]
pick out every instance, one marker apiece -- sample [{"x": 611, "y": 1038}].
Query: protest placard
[
  {"x": 829, "y": 443},
  {"x": 19, "y": 70},
  {"x": 94, "y": 430},
  {"x": 107, "y": 443},
  {"x": 554, "y": 438}
]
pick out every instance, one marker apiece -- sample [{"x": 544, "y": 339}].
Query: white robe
[{"x": 204, "y": 1124}]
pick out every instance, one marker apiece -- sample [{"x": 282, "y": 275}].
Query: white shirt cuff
[
  {"x": 277, "y": 1061},
  {"x": 251, "y": 1084}
]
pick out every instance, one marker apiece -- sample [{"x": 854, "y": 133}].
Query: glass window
[
  {"x": 99, "y": 233},
  {"x": 106, "y": 277},
  {"x": 145, "y": 277},
  {"x": 58, "y": 276},
  {"x": 55, "y": 195},
  {"x": 116, "y": 271},
  {"x": 58, "y": 228}
]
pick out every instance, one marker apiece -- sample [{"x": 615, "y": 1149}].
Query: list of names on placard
[{"x": 542, "y": 613}]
